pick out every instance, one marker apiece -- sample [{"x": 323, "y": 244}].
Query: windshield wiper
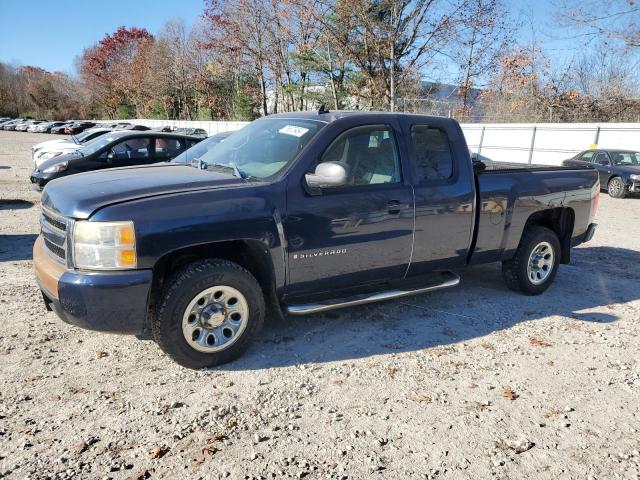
[
  {"x": 230, "y": 166},
  {"x": 75, "y": 139}
]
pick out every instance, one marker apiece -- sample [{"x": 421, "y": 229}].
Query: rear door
[{"x": 444, "y": 194}]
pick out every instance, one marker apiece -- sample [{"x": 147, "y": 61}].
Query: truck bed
[{"x": 530, "y": 167}]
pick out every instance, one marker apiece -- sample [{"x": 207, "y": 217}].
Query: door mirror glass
[{"x": 329, "y": 175}]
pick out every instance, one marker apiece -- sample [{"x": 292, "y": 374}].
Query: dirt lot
[{"x": 473, "y": 382}]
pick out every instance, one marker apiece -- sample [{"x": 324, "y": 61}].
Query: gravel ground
[{"x": 473, "y": 382}]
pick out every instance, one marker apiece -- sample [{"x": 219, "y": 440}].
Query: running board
[{"x": 448, "y": 279}]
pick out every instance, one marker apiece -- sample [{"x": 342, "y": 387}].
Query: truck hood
[{"x": 80, "y": 195}]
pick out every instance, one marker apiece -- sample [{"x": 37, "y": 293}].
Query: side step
[{"x": 445, "y": 280}]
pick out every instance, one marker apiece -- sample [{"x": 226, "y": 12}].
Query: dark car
[
  {"x": 116, "y": 149},
  {"x": 60, "y": 128},
  {"x": 140, "y": 128},
  {"x": 78, "y": 127},
  {"x": 619, "y": 170},
  {"x": 197, "y": 151},
  {"x": 298, "y": 213},
  {"x": 196, "y": 132}
]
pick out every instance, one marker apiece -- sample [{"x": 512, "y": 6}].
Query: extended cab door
[
  {"x": 444, "y": 193},
  {"x": 355, "y": 235}
]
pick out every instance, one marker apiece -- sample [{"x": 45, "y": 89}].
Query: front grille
[
  {"x": 55, "y": 249},
  {"x": 55, "y": 229}
]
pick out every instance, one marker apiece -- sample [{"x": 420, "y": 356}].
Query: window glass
[
  {"x": 586, "y": 156},
  {"x": 169, "y": 147},
  {"x": 370, "y": 152},
  {"x": 626, "y": 158},
  {"x": 432, "y": 153},
  {"x": 131, "y": 148},
  {"x": 601, "y": 159}
]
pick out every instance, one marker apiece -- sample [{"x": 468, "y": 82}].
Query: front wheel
[
  {"x": 616, "y": 188},
  {"x": 209, "y": 313},
  {"x": 535, "y": 263}
]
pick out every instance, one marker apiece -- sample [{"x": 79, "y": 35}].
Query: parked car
[
  {"x": 166, "y": 128},
  {"x": 24, "y": 125},
  {"x": 197, "y": 151},
  {"x": 53, "y": 148},
  {"x": 140, "y": 128},
  {"x": 114, "y": 125},
  {"x": 297, "y": 213},
  {"x": 11, "y": 124},
  {"x": 5, "y": 119},
  {"x": 6, "y": 122},
  {"x": 61, "y": 128},
  {"x": 619, "y": 170},
  {"x": 78, "y": 127},
  {"x": 32, "y": 128},
  {"x": 45, "y": 127},
  {"x": 119, "y": 148},
  {"x": 196, "y": 132}
]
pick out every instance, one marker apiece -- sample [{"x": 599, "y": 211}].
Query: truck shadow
[
  {"x": 481, "y": 305},
  {"x": 16, "y": 247}
]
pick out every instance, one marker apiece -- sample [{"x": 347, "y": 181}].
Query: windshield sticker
[{"x": 293, "y": 130}]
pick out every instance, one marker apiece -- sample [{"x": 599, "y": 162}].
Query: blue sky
[{"x": 51, "y": 33}]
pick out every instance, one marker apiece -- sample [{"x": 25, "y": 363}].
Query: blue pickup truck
[{"x": 298, "y": 213}]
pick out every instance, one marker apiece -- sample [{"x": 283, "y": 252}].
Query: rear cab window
[{"x": 432, "y": 153}]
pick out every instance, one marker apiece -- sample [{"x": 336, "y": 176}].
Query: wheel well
[
  {"x": 561, "y": 221},
  {"x": 250, "y": 254}
]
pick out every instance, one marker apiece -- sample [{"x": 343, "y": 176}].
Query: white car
[
  {"x": 53, "y": 148},
  {"x": 34, "y": 125}
]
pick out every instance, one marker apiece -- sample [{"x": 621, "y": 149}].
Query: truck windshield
[{"x": 263, "y": 148}]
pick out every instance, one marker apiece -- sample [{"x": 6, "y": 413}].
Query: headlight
[
  {"x": 50, "y": 155},
  {"x": 104, "y": 245},
  {"x": 60, "y": 167},
  {"x": 635, "y": 178}
]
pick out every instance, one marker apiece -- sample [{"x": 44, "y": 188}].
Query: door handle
[{"x": 394, "y": 207}]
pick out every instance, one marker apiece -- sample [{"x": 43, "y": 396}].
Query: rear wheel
[
  {"x": 535, "y": 263},
  {"x": 616, "y": 188},
  {"x": 209, "y": 313}
]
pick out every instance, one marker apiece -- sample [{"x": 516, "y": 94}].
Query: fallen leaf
[
  {"x": 142, "y": 474},
  {"x": 552, "y": 413},
  {"x": 392, "y": 371},
  {"x": 100, "y": 354},
  {"x": 473, "y": 385},
  {"x": 487, "y": 346},
  {"x": 538, "y": 342},
  {"x": 508, "y": 393},
  {"x": 209, "y": 450},
  {"x": 158, "y": 452},
  {"x": 420, "y": 398}
]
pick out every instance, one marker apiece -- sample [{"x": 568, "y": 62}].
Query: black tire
[
  {"x": 182, "y": 288},
  {"x": 515, "y": 270},
  {"x": 616, "y": 188}
]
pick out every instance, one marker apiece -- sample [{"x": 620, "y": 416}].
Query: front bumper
[
  {"x": 115, "y": 302},
  {"x": 634, "y": 187},
  {"x": 39, "y": 179}
]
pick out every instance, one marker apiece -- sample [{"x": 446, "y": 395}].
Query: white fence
[
  {"x": 543, "y": 143},
  {"x": 547, "y": 143}
]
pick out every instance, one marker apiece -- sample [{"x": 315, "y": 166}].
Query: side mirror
[
  {"x": 328, "y": 175},
  {"x": 603, "y": 162}
]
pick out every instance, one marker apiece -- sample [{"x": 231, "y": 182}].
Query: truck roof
[{"x": 329, "y": 116}]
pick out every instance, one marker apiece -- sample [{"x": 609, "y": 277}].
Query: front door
[{"x": 355, "y": 235}]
